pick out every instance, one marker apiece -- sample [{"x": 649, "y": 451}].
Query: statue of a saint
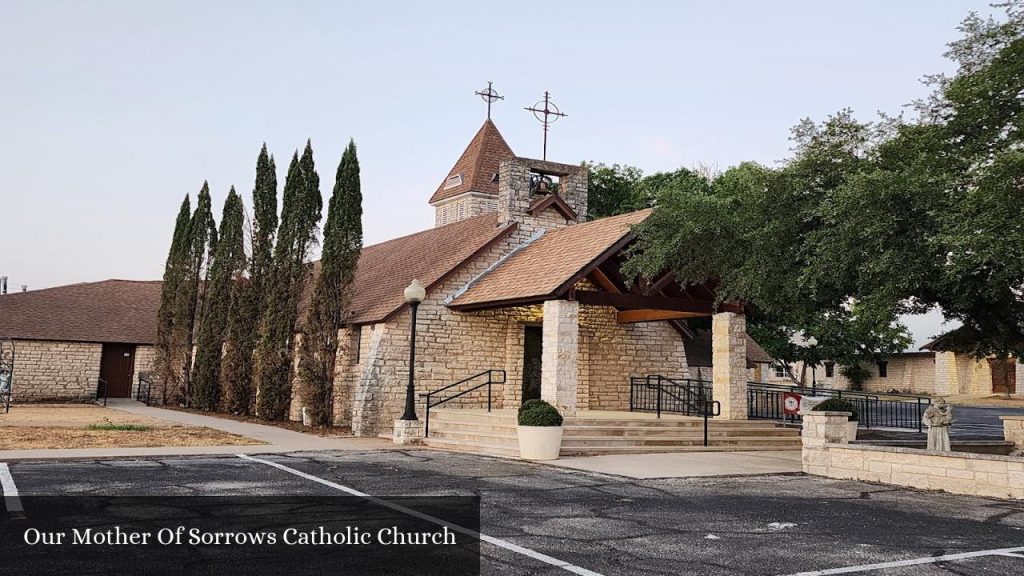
[{"x": 938, "y": 418}]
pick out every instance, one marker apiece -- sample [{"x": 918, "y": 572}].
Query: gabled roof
[
  {"x": 548, "y": 263},
  {"x": 385, "y": 269},
  {"x": 477, "y": 165},
  {"x": 122, "y": 311}
]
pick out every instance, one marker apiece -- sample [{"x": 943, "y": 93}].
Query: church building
[{"x": 519, "y": 282}]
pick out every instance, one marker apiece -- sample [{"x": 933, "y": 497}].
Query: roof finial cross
[
  {"x": 489, "y": 95},
  {"x": 550, "y": 114}
]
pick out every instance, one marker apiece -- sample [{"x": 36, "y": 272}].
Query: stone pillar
[
  {"x": 946, "y": 380},
  {"x": 819, "y": 429},
  {"x": 408, "y": 432},
  {"x": 729, "y": 364},
  {"x": 1013, "y": 430},
  {"x": 1020, "y": 376},
  {"x": 559, "y": 373}
]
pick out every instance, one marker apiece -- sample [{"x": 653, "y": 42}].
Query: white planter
[
  {"x": 539, "y": 442},
  {"x": 851, "y": 430}
]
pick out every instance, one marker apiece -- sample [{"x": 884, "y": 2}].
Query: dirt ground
[
  {"x": 330, "y": 432},
  {"x": 38, "y": 426}
]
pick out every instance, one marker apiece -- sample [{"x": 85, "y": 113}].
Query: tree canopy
[{"x": 872, "y": 219}]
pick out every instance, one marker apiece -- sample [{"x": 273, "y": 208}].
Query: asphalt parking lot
[{"x": 543, "y": 520}]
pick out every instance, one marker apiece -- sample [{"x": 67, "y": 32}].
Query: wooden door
[
  {"x": 533, "y": 346},
  {"x": 1004, "y": 375},
  {"x": 116, "y": 368}
]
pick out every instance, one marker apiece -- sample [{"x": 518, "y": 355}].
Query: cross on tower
[
  {"x": 489, "y": 95},
  {"x": 547, "y": 111}
]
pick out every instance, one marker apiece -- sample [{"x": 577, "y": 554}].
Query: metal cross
[
  {"x": 547, "y": 111},
  {"x": 489, "y": 95}
]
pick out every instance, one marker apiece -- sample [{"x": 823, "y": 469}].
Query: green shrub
[
  {"x": 539, "y": 413},
  {"x": 837, "y": 405},
  {"x": 529, "y": 404}
]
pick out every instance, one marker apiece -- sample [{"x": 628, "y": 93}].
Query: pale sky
[{"x": 110, "y": 112}]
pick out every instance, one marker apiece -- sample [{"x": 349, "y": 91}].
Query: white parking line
[
  {"x": 913, "y": 562},
  {"x": 11, "y": 498},
  {"x": 455, "y": 527}
]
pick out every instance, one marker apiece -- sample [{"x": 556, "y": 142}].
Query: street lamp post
[{"x": 414, "y": 294}]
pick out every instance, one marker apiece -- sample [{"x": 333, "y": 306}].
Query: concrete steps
[{"x": 494, "y": 433}]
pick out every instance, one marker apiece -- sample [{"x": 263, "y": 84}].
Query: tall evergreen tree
[
  {"x": 165, "y": 363},
  {"x": 247, "y": 305},
  {"x": 225, "y": 270},
  {"x": 300, "y": 214},
  {"x": 343, "y": 240},
  {"x": 201, "y": 240}
]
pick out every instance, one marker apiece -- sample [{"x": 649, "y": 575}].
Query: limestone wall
[
  {"x": 58, "y": 371},
  {"x": 826, "y": 453},
  {"x": 144, "y": 356},
  {"x": 1013, "y": 430}
]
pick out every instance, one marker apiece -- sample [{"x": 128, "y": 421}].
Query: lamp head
[{"x": 415, "y": 292}]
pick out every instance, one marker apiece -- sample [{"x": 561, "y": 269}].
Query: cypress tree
[
  {"x": 165, "y": 364},
  {"x": 247, "y": 305},
  {"x": 201, "y": 240},
  {"x": 225, "y": 270},
  {"x": 343, "y": 241},
  {"x": 300, "y": 214}
]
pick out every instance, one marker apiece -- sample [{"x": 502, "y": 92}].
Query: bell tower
[{"x": 471, "y": 186}]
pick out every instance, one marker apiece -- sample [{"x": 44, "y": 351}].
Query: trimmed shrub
[
  {"x": 837, "y": 405},
  {"x": 539, "y": 413},
  {"x": 529, "y": 404}
]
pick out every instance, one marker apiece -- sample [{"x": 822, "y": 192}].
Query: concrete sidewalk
[
  {"x": 277, "y": 440},
  {"x": 687, "y": 464}
]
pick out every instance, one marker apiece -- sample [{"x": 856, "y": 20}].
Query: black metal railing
[
  {"x": 765, "y": 401},
  {"x": 101, "y": 391},
  {"x": 145, "y": 389},
  {"x": 486, "y": 378},
  {"x": 656, "y": 393}
]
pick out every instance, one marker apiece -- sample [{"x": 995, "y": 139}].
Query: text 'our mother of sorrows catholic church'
[{"x": 517, "y": 279}]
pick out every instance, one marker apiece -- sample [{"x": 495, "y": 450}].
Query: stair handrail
[
  {"x": 101, "y": 391},
  {"x": 491, "y": 380},
  {"x": 705, "y": 406}
]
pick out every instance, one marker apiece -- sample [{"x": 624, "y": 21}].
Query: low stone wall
[{"x": 827, "y": 452}]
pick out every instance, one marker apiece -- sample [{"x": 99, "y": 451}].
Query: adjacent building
[{"x": 74, "y": 342}]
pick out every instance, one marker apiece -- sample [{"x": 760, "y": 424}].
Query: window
[
  {"x": 830, "y": 369},
  {"x": 453, "y": 181},
  {"x": 883, "y": 369},
  {"x": 357, "y": 340},
  {"x": 780, "y": 370}
]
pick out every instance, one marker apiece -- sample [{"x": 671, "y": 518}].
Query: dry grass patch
[
  {"x": 328, "y": 432},
  {"x": 40, "y": 426}
]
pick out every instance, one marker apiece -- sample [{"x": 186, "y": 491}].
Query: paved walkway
[
  {"x": 277, "y": 440},
  {"x": 687, "y": 464}
]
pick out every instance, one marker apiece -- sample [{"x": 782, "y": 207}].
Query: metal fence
[{"x": 765, "y": 401}]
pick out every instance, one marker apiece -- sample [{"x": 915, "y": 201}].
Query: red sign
[{"x": 791, "y": 403}]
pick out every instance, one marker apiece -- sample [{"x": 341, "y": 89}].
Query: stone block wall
[
  {"x": 514, "y": 197},
  {"x": 55, "y": 371},
  {"x": 729, "y": 364},
  {"x": 144, "y": 357},
  {"x": 826, "y": 453}
]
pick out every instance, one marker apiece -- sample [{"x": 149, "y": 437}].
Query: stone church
[{"x": 518, "y": 280}]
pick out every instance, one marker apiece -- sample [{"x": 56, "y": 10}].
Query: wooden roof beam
[{"x": 647, "y": 315}]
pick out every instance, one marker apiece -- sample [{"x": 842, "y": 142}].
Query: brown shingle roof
[
  {"x": 550, "y": 261},
  {"x": 477, "y": 165},
  {"x": 385, "y": 269},
  {"x": 108, "y": 311}
]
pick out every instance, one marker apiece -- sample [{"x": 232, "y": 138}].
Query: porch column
[
  {"x": 559, "y": 373},
  {"x": 729, "y": 364}
]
